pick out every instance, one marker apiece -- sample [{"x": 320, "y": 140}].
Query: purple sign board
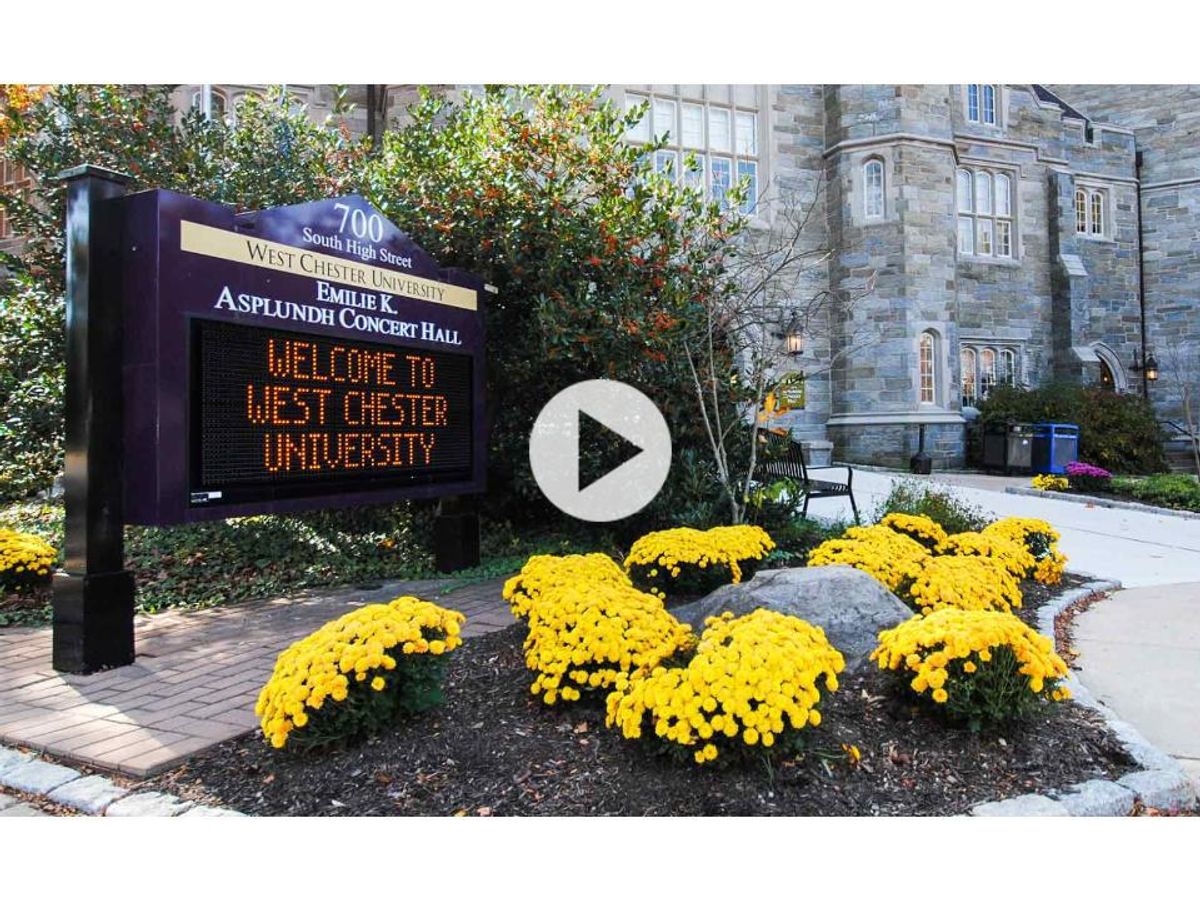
[{"x": 294, "y": 358}]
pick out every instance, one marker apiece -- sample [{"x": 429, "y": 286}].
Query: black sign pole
[{"x": 94, "y": 600}]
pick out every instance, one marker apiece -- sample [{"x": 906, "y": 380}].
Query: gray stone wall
[{"x": 1165, "y": 120}]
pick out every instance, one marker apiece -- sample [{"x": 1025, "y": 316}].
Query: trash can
[
  {"x": 1007, "y": 446},
  {"x": 1054, "y": 445}
]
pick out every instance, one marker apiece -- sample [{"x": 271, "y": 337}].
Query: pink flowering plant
[{"x": 1086, "y": 478}]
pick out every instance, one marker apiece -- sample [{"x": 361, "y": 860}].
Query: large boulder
[{"x": 851, "y": 606}]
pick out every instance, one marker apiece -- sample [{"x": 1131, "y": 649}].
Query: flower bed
[
  {"x": 492, "y": 749},
  {"x": 667, "y": 710},
  {"x": 1169, "y": 491}
]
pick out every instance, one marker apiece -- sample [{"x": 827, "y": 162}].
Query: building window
[
  {"x": 985, "y": 220},
  {"x": 970, "y": 386},
  {"x": 721, "y": 137},
  {"x": 928, "y": 367},
  {"x": 1008, "y": 367},
  {"x": 984, "y": 367},
  {"x": 981, "y": 103},
  {"x": 217, "y": 105},
  {"x": 1090, "y": 206},
  {"x": 987, "y": 371},
  {"x": 14, "y": 180},
  {"x": 873, "y": 188}
]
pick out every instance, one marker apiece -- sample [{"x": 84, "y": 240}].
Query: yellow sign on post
[{"x": 790, "y": 392}]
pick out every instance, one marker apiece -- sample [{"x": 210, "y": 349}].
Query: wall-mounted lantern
[
  {"x": 793, "y": 337},
  {"x": 1149, "y": 368}
]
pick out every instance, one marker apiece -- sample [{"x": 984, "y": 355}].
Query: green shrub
[
  {"x": 797, "y": 538},
  {"x": 31, "y": 388},
  {"x": 916, "y": 498},
  {"x": 1116, "y": 431},
  {"x": 1175, "y": 491}
]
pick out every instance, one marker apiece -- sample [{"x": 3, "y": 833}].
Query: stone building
[
  {"x": 1012, "y": 233},
  {"x": 1005, "y": 227}
]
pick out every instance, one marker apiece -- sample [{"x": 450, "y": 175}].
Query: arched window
[
  {"x": 873, "y": 188},
  {"x": 217, "y": 106},
  {"x": 985, "y": 229},
  {"x": 987, "y": 371},
  {"x": 989, "y": 105},
  {"x": 927, "y": 367},
  {"x": 981, "y": 103},
  {"x": 1008, "y": 367},
  {"x": 970, "y": 380},
  {"x": 1089, "y": 211},
  {"x": 964, "y": 191},
  {"x": 1097, "y": 213}
]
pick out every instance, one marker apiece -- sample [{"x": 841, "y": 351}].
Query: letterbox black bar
[{"x": 94, "y": 601}]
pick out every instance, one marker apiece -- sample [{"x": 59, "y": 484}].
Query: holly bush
[{"x": 601, "y": 263}]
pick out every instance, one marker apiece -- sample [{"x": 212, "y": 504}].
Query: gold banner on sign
[{"x": 251, "y": 251}]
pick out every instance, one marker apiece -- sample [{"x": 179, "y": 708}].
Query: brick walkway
[{"x": 195, "y": 681}]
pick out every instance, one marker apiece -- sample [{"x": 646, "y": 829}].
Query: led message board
[{"x": 290, "y": 359}]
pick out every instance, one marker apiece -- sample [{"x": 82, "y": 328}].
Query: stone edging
[
  {"x": 1161, "y": 783},
  {"x": 93, "y": 795},
  {"x": 1106, "y": 502}
]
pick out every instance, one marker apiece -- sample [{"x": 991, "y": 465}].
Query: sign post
[
  {"x": 94, "y": 601},
  {"x": 227, "y": 364}
]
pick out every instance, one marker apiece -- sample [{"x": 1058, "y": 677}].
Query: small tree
[{"x": 771, "y": 283}]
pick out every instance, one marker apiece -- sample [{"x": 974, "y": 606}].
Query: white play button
[{"x": 612, "y": 406}]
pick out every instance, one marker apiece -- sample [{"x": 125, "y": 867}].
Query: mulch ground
[{"x": 492, "y": 750}]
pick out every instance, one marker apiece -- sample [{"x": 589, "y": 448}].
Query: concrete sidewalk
[{"x": 1139, "y": 653}]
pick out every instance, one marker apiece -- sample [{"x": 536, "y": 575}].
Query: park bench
[{"x": 781, "y": 457}]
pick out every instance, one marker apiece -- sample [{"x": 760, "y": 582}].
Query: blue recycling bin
[{"x": 1054, "y": 445}]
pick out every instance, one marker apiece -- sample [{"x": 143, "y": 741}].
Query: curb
[
  {"x": 92, "y": 795},
  {"x": 1161, "y": 782},
  {"x": 1105, "y": 502}
]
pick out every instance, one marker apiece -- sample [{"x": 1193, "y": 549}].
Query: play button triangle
[{"x": 598, "y": 440}]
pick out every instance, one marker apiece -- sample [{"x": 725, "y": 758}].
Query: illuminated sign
[
  {"x": 290, "y": 359},
  {"x": 292, "y": 414}
]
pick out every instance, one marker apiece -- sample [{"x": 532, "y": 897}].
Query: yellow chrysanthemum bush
[
  {"x": 542, "y": 575},
  {"x": 921, "y": 529},
  {"x": 1050, "y": 483},
  {"x": 1013, "y": 555},
  {"x": 1041, "y": 540},
  {"x": 358, "y": 673},
  {"x": 976, "y": 667},
  {"x": 887, "y": 555},
  {"x": 687, "y": 562},
  {"x": 754, "y": 683},
  {"x": 583, "y": 637},
  {"x": 961, "y": 582},
  {"x": 25, "y": 559}
]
